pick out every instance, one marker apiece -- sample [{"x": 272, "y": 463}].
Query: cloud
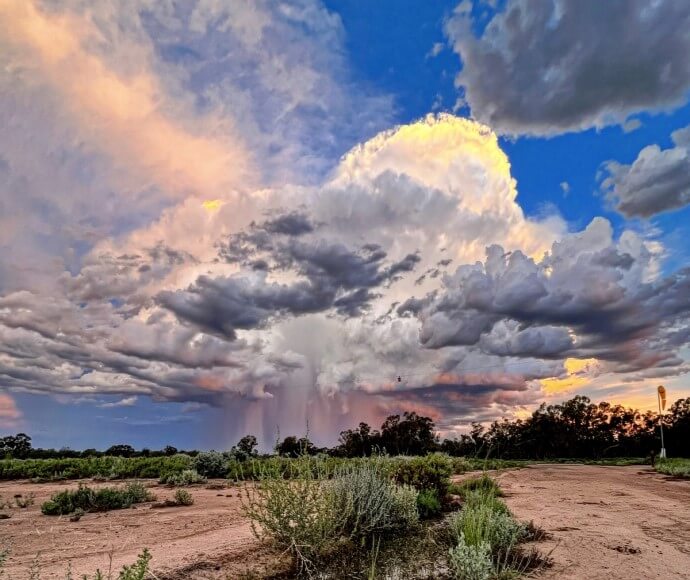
[
  {"x": 10, "y": 415},
  {"x": 561, "y": 66},
  {"x": 126, "y": 402},
  {"x": 657, "y": 181},
  {"x": 298, "y": 302},
  {"x": 589, "y": 297}
]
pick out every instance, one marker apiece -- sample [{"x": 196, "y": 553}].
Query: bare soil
[
  {"x": 603, "y": 522},
  {"x": 210, "y": 539}
]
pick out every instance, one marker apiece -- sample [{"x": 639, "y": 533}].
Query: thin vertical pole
[{"x": 662, "y": 455}]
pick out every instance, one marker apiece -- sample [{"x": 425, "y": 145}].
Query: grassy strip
[
  {"x": 677, "y": 467},
  {"x": 181, "y": 469},
  {"x": 86, "y": 499}
]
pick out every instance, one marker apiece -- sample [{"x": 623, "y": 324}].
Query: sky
[{"x": 287, "y": 217}]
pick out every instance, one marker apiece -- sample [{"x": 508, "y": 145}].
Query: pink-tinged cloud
[
  {"x": 128, "y": 117},
  {"x": 10, "y": 415}
]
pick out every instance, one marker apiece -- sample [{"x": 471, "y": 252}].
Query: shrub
[
  {"x": 431, "y": 472},
  {"x": 484, "y": 484},
  {"x": 103, "y": 499},
  {"x": 478, "y": 498},
  {"x": 481, "y": 523},
  {"x": 428, "y": 504},
  {"x": 297, "y": 515},
  {"x": 25, "y": 501},
  {"x": 186, "y": 477},
  {"x": 370, "y": 502},
  {"x": 675, "y": 467},
  {"x": 211, "y": 464},
  {"x": 183, "y": 497},
  {"x": 471, "y": 562}
]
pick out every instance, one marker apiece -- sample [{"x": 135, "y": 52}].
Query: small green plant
[
  {"x": 428, "y": 504},
  {"x": 471, "y": 562},
  {"x": 183, "y": 497},
  {"x": 481, "y": 523},
  {"x": 483, "y": 483},
  {"x": 137, "y": 571},
  {"x": 24, "y": 501}
]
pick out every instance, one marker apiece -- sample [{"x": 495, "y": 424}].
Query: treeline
[{"x": 576, "y": 429}]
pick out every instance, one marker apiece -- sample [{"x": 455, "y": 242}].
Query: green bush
[
  {"x": 370, "y": 502},
  {"x": 484, "y": 484},
  {"x": 482, "y": 523},
  {"x": 428, "y": 504},
  {"x": 676, "y": 467},
  {"x": 211, "y": 464},
  {"x": 90, "y": 500},
  {"x": 478, "y": 497},
  {"x": 471, "y": 562},
  {"x": 298, "y": 515},
  {"x": 431, "y": 472},
  {"x": 183, "y": 497},
  {"x": 186, "y": 477}
]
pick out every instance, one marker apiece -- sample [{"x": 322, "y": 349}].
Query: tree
[
  {"x": 120, "y": 451},
  {"x": 17, "y": 446},
  {"x": 245, "y": 448},
  {"x": 293, "y": 447},
  {"x": 169, "y": 450},
  {"x": 411, "y": 435},
  {"x": 360, "y": 442}
]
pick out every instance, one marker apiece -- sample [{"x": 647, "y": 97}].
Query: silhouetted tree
[{"x": 121, "y": 451}]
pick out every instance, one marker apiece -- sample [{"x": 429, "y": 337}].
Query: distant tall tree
[
  {"x": 120, "y": 451},
  {"x": 245, "y": 448},
  {"x": 17, "y": 446},
  {"x": 293, "y": 447}
]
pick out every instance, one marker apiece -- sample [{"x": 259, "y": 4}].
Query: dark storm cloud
[
  {"x": 512, "y": 306},
  {"x": 657, "y": 181},
  {"x": 561, "y": 65},
  {"x": 332, "y": 276},
  {"x": 290, "y": 224}
]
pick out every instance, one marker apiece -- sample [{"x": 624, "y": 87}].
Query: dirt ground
[
  {"x": 210, "y": 539},
  {"x": 604, "y": 522}
]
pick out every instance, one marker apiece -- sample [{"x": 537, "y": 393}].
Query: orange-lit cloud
[
  {"x": 578, "y": 376},
  {"x": 129, "y": 118}
]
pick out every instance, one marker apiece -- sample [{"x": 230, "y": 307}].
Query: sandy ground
[
  {"x": 604, "y": 522},
  {"x": 210, "y": 539}
]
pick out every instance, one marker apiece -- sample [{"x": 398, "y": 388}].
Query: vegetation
[
  {"x": 675, "y": 467},
  {"x": 574, "y": 430},
  {"x": 183, "y": 497},
  {"x": 311, "y": 514},
  {"x": 140, "y": 570},
  {"x": 96, "y": 500},
  {"x": 487, "y": 538},
  {"x": 184, "y": 478}
]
